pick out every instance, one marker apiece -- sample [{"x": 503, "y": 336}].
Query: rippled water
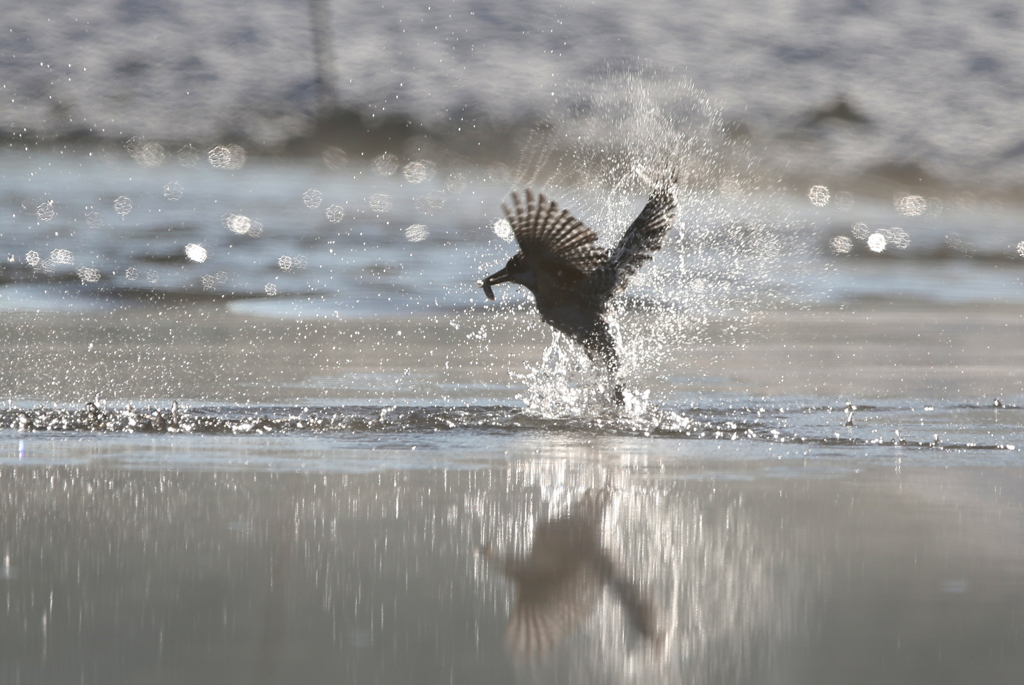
[{"x": 258, "y": 422}]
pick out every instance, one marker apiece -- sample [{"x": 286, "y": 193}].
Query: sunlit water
[{"x": 261, "y": 425}]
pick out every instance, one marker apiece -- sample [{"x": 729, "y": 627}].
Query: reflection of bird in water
[
  {"x": 570, "y": 276},
  {"x": 559, "y": 584}
]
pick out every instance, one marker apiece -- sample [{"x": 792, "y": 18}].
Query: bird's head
[{"x": 515, "y": 270}]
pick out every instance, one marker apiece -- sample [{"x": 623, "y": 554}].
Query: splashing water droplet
[
  {"x": 876, "y": 242},
  {"x": 416, "y": 233},
  {"x": 173, "y": 191},
  {"x": 503, "y": 229},
  {"x": 196, "y": 252},
  {"x": 335, "y": 213},
  {"x": 123, "y": 205},
  {"x": 819, "y": 196},
  {"x": 312, "y": 198}
]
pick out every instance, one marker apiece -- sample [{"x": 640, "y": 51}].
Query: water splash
[{"x": 620, "y": 135}]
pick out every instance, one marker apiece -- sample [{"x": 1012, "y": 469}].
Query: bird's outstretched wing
[
  {"x": 553, "y": 242},
  {"x": 642, "y": 239}
]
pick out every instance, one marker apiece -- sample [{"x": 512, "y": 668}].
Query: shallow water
[{"x": 314, "y": 450}]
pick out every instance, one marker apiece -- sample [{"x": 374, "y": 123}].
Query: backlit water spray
[{"x": 610, "y": 142}]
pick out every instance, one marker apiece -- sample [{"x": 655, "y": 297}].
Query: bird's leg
[{"x": 601, "y": 346}]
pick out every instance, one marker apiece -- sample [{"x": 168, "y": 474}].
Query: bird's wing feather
[
  {"x": 552, "y": 240},
  {"x": 642, "y": 239}
]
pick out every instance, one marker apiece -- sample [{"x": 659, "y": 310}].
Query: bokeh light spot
[
  {"x": 876, "y": 242},
  {"x": 173, "y": 191},
  {"x": 45, "y": 211},
  {"x": 819, "y": 196},
  {"x": 418, "y": 172},
  {"x": 841, "y": 244},
  {"x": 911, "y": 205},
  {"x": 196, "y": 252},
  {"x": 380, "y": 202},
  {"x": 416, "y": 233},
  {"x": 312, "y": 198},
  {"x": 335, "y": 213}
]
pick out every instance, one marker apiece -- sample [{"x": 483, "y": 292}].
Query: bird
[
  {"x": 559, "y": 584},
  {"x": 572, "y": 278}
]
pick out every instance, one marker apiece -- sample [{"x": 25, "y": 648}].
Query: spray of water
[{"x": 612, "y": 140}]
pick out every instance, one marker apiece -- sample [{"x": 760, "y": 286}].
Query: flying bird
[{"x": 570, "y": 275}]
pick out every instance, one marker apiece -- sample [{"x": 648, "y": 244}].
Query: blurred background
[{"x": 851, "y": 93}]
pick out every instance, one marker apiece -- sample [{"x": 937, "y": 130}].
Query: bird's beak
[{"x": 494, "y": 279}]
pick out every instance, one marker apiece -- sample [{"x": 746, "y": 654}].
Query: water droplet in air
[
  {"x": 195, "y": 252},
  {"x": 123, "y": 205},
  {"x": 32, "y": 258},
  {"x": 819, "y": 196},
  {"x": 335, "y": 213},
  {"x": 503, "y": 229},
  {"x": 131, "y": 273},
  {"x": 1020, "y": 248},
  {"x": 270, "y": 289},
  {"x": 312, "y": 198},
  {"x": 284, "y": 262},
  {"x": 860, "y": 231},
  {"x": 94, "y": 219}
]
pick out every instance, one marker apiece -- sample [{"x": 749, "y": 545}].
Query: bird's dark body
[{"x": 571, "y": 277}]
